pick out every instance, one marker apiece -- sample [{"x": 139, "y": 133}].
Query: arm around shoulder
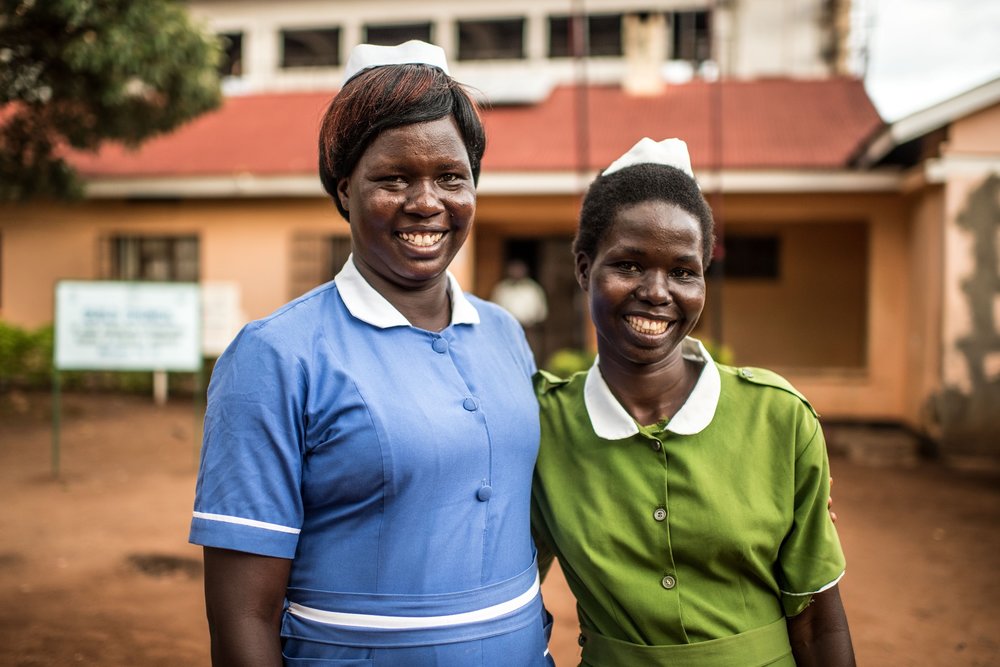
[
  {"x": 820, "y": 635},
  {"x": 244, "y": 599}
]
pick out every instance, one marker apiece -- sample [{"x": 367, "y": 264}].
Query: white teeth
[
  {"x": 422, "y": 239},
  {"x": 646, "y": 326}
]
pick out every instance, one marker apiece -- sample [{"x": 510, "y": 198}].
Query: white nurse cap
[
  {"x": 413, "y": 52},
  {"x": 671, "y": 152}
]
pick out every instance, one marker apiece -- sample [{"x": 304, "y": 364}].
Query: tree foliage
[{"x": 76, "y": 73}]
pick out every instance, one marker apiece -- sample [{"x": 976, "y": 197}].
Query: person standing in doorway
[{"x": 523, "y": 298}]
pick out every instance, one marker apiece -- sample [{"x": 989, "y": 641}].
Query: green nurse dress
[{"x": 689, "y": 541}]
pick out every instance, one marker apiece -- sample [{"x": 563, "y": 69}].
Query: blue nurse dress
[{"x": 393, "y": 466}]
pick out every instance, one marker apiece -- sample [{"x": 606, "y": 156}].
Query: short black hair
[
  {"x": 607, "y": 195},
  {"x": 386, "y": 97}
]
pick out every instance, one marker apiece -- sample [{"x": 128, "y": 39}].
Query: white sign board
[
  {"x": 221, "y": 316},
  {"x": 127, "y": 326}
]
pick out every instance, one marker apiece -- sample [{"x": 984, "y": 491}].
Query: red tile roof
[
  {"x": 267, "y": 135},
  {"x": 765, "y": 124}
]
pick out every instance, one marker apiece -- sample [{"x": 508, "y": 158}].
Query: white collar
[
  {"x": 612, "y": 422},
  {"x": 365, "y": 303}
]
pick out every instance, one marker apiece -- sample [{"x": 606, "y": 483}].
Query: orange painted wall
[
  {"x": 248, "y": 241},
  {"x": 813, "y": 316},
  {"x": 876, "y": 390},
  {"x": 969, "y": 139},
  {"x": 847, "y": 263},
  {"x": 925, "y": 295},
  {"x": 976, "y": 133}
]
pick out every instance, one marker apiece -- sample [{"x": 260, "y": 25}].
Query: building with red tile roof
[{"x": 836, "y": 229}]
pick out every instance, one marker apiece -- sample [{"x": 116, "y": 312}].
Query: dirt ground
[{"x": 95, "y": 568}]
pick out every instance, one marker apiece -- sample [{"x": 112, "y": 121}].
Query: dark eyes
[
  {"x": 634, "y": 268},
  {"x": 628, "y": 267},
  {"x": 399, "y": 179}
]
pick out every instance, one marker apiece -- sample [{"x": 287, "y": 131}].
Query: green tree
[{"x": 76, "y": 73}]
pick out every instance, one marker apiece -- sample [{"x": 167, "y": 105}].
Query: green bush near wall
[
  {"x": 26, "y": 363},
  {"x": 723, "y": 354},
  {"x": 25, "y": 356},
  {"x": 567, "y": 361}
]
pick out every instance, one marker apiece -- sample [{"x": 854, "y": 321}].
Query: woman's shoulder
[
  {"x": 491, "y": 312},
  {"x": 763, "y": 381},
  {"x": 499, "y": 322},
  {"x": 552, "y": 387},
  {"x": 293, "y": 321},
  {"x": 546, "y": 381},
  {"x": 301, "y": 307}
]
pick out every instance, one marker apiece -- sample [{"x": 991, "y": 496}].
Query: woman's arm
[
  {"x": 819, "y": 635},
  {"x": 244, "y": 598}
]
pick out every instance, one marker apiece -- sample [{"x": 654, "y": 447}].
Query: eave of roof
[{"x": 930, "y": 119}]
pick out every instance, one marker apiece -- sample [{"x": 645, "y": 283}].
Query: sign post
[{"x": 56, "y": 419}]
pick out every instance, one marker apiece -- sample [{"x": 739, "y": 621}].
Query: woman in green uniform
[{"x": 685, "y": 500}]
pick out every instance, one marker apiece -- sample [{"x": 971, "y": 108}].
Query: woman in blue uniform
[
  {"x": 363, "y": 497},
  {"x": 686, "y": 500}
]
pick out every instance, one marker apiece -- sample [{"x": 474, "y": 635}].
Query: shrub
[
  {"x": 26, "y": 363},
  {"x": 722, "y": 354},
  {"x": 567, "y": 361},
  {"x": 25, "y": 356}
]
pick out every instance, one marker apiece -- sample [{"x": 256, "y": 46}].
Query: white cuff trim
[
  {"x": 224, "y": 518},
  {"x": 823, "y": 588}
]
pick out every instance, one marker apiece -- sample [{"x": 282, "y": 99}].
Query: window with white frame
[
  {"x": 312, "y": 47},
  {"x": 159, "y": 258},
  {"x": 491, "y": 39},
  {"x": 690, "y": 36},
  {"x": 603, "y": 31},
  {"x": 390, "y": 34},
  {"x": 315, "y": 259},
  {"x": 231, "y": 63}
]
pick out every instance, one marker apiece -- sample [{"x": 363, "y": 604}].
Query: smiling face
[
  {"x": 645, "y": 283},
  {"x": 411, "y": 200}
]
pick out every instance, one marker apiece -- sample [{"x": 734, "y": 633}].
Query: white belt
[{"x": 415, "y": 622}]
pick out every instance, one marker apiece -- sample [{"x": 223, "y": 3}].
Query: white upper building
[{"x": 518, "y": 49}]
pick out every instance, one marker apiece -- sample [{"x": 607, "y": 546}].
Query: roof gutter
[
  {"x": 729, "y": 181},
  {"x": 246, "y": 186}
]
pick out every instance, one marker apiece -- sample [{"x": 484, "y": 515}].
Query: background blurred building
[{"x": 848, "y": 246}]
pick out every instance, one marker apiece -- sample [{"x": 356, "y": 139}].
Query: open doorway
[{"x": 548, "y": 263}]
